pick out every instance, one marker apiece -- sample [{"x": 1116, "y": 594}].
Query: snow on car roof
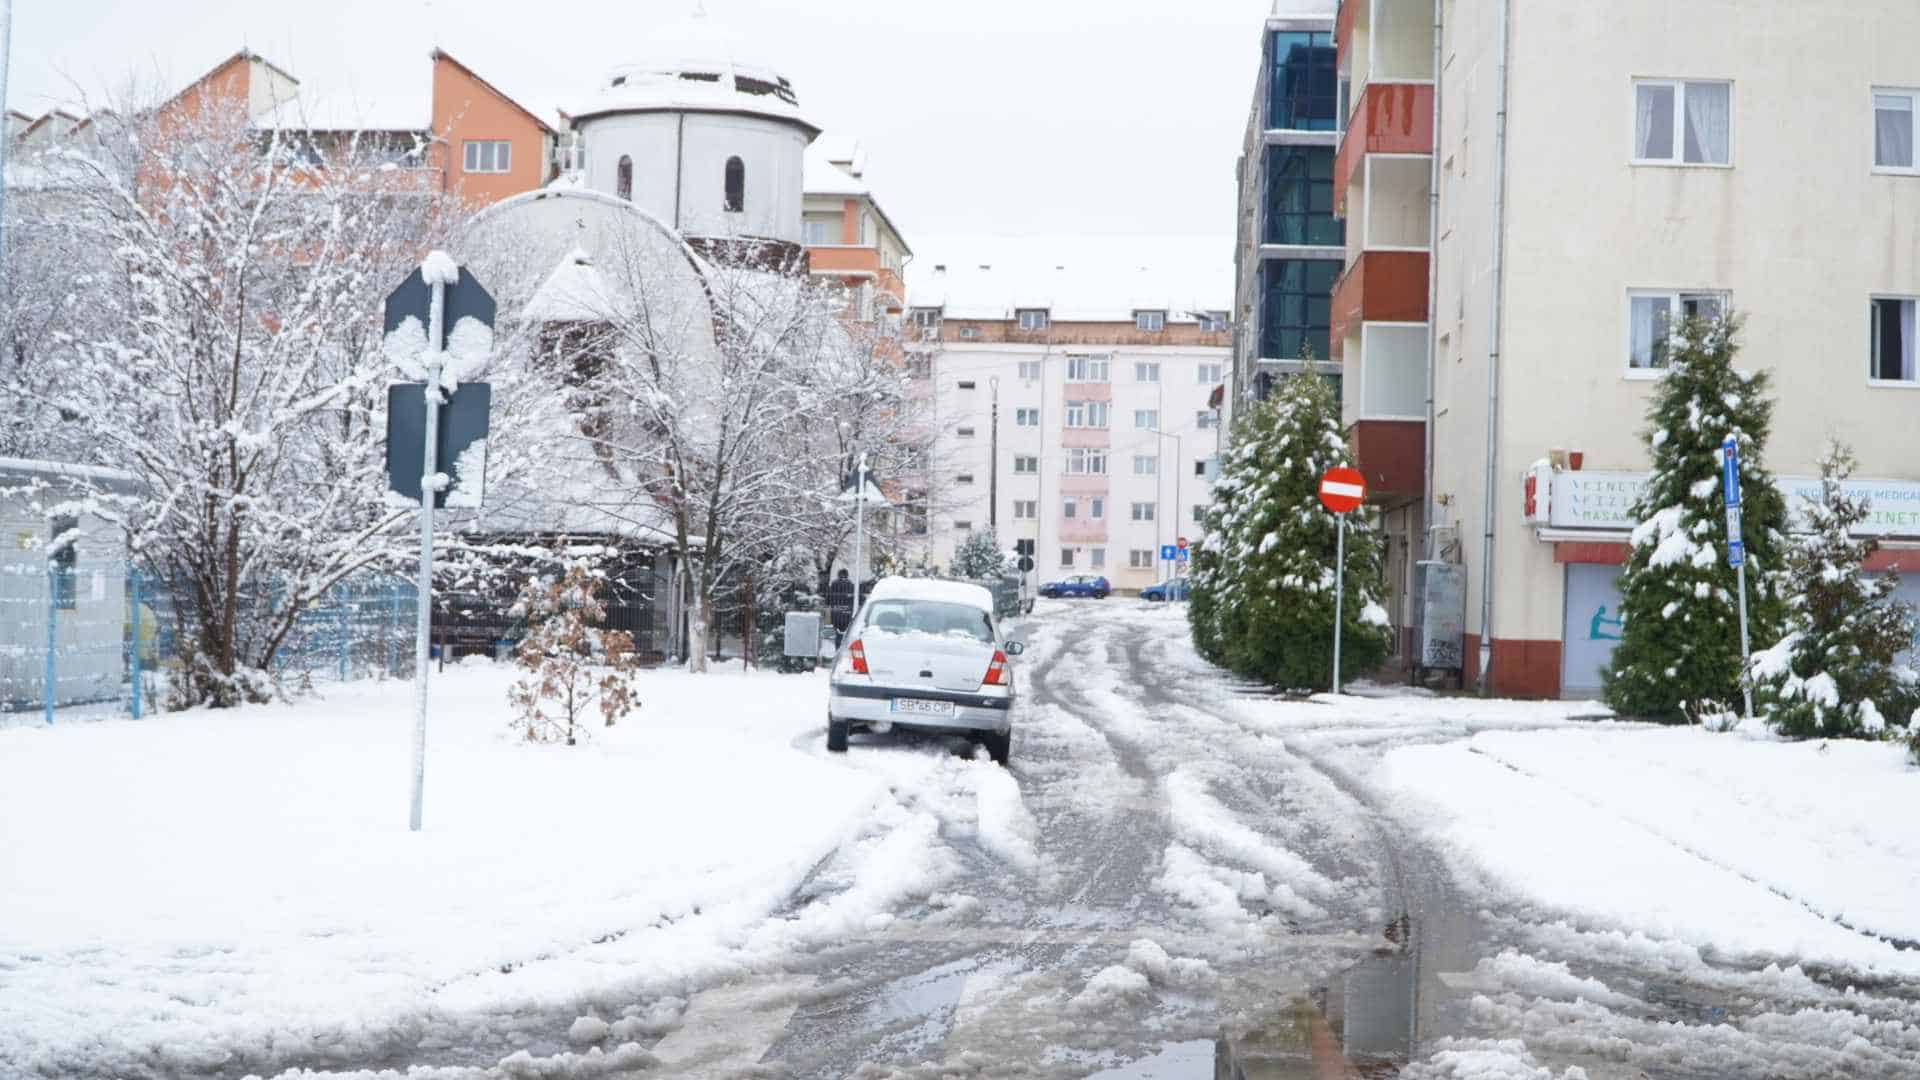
[{"x": 950, "y": 592}]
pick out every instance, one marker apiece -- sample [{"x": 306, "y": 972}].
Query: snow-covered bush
[
  {"x": 570, "y": 662},
  {"x": 1835, "y": 672},
  {"x": 1679, "y": 653},
  {"x": 1263, "y": 599},
  {"x": 978, "y": 556}
]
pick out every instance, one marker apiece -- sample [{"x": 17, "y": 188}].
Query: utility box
[
  {"x": 802, "y": 636},
  {"x": 1443, "y": 616}
]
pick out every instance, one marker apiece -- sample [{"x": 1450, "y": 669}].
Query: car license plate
[{"x": 922, "y": 707}]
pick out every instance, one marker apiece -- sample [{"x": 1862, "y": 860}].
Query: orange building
[
  {"x": 486, "y": 145},
  {"x": 847, "y": 235}
]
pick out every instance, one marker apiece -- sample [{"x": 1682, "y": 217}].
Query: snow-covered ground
[{"x": 208, "y": 888}]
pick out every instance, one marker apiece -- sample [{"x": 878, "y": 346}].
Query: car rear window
[{"x": 929, "y": 617}]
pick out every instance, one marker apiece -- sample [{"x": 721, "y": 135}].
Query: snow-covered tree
[
  {"x": 1679, "y": 653},
  {"x": 227, "y": 353},
  {"x": 1264, "y": 579},
  {"x": 570, "y": 662},
  {"x": 1836, "y": 672},
  {"x": 978, "y": 555}
]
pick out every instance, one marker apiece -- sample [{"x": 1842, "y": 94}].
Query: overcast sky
[{"x": 979, "y": 116}]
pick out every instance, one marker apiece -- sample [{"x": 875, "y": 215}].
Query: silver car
[{"x": 925, "y": 656}]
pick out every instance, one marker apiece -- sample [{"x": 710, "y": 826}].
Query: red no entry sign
[
  {"x": 1342, "y": 489},
  {"x": 1183, "y": 543}
]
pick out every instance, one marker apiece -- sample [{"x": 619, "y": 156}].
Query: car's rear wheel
[
  {"x": 836, "y": 736},
  {"x": 998, "y": 746},
  {"x": 1099, "y": 596}
]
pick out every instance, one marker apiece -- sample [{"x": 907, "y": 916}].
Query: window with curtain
[
  {"x": 623, "y": 178},
  {"x": 1893, "y": 340},
  {"x": 1688, "y": 123},
  {"x": 736, "y": 184},
  {"x": 1893, "y": 129},
  {"x": 1651, "y": 314}
]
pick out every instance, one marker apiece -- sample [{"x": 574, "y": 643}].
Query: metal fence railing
[{"x": 99, "y": 638}]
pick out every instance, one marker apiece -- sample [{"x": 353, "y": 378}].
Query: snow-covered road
[{"x": 1181, "y": 874}]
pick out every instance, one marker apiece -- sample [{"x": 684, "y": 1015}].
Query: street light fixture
[{"x": 1180, "y": 454}]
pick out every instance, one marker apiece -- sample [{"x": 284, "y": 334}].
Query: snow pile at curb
[
  {"x": 1485, "y": 1059},
  {"x": 208, "y": 889}
]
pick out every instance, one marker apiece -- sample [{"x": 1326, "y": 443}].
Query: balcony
[
  {"x": 1391, "y": 454},
  {"x": 1380, "y": 286},
  {"x": 1389, "y": 118},
  {"x": 1384, "y": 41}
]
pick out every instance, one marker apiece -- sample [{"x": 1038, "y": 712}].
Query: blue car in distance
[
  {"x": 1078, "y": 585},
  {"x": 1174, "y": 588}
]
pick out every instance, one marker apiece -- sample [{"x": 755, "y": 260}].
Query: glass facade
[
  {"x": 1300, "y": 197},
  {"x": 1295, "y": 304},
  {"x": 1304, "y": 94}
]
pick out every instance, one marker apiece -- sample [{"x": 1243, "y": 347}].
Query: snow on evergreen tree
[
  {"x": 1836, "y": 673},
  {"x": 1263, "y": 598},
  {"x": 979, "y": 556},
  {"x": 1679, "y": 653}
]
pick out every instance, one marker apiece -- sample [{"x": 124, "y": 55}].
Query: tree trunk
[{"x": 697, "y": 626}]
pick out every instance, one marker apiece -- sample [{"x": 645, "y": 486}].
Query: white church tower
[{"x": 702, "y": 137}]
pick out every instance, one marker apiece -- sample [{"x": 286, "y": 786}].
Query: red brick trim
[
  {"x": 1603, "y": 552},
  {"x": 1521, "y": 668}
]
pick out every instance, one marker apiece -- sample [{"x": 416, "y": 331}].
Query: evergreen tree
[
  {"x": 1264, "y": 596},
  {"x": 979, "y": 556},
  {"x": 1679, "y": 653},
  {"x": 1835, "y": 672}
]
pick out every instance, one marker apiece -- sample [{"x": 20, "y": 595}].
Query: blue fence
[{"x": 98, "y": 639}]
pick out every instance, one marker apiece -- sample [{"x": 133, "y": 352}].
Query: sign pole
[
  {"x": 859, "y": 527},
  {"x": 423, "y": 591},
  {"x": 1339, "y": 592},
  {"x": 1737, "y": 555}
]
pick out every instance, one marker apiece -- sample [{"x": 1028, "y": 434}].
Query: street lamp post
[{"x": 1180, "y": 453}]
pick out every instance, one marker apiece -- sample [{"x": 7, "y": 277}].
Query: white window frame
[
  {"x": 1089, "y": 368},
  {"x": 1085, "y": 461},
  {"x": 1146, "y": 464},
  {"x": 1873, "y": 346},
  {"x": 1206, "y": 420},
  {"x": 1032, "y": 319},
  {"x": 1149, "y": 321},
  {"x": 1140, "y": 559},
  {"x": 1097, "y": 558},
  {"x": 1218, "y": 372},
  {"x": 1088, "y": 414},
  {"x": 1070, "y": 507},
  {"x": 1873, "y": 111},
  {"x": 1146, "y": 371},
  {"x": 1026, "y": 417},
  {"x": 969, "y": 333},
  {"x": 1031, "y": 461},
  {"x": 473, "y": 152},
  {"x": 1066, "y": 558},
  {"x": 1030, "y": 370},
  {"x": 1146, "y": 419},
  {"x": 1675, "y": 299},
  {"x": 1142, "y": 511},
  {"x": 1679, "y": 158},
  {"x": 926, "y": 318},
  {"x": 1025, "y": 509},
  {"x": 1213, "y": 322},
  {"x": 1096, "y": 508}
]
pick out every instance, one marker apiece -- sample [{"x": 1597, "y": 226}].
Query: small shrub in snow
[
  {"x": 1262, "y": 600},
  {"x": 1679, "y": 654},
  {"x": 570, "y": 662},
  {"x": 1836, "y": 673}
]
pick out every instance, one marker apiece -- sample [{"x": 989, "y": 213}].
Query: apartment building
[
  {"x": 849, "y": 238},
  {"x": 1612, "y": 169},
  {"x": 1072, "y": 386},
  {"x": 1289, "y": 247}
]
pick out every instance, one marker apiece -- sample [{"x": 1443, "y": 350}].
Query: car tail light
[
  {"x": 858, "y": 654},
  {"x": 997, "y": 671}
]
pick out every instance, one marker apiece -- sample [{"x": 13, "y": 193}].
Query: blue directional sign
[
  {"x": 1730, "y": 470},
  {"x": 1169, "y": 552}
]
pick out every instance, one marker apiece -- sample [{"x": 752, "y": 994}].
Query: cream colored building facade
[{"x": 1658, "y": 158}]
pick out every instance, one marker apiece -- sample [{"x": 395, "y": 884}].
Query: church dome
[{"x": 696, "y": 65}]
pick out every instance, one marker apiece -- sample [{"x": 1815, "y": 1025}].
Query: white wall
[{"x": 771, "y": 151}]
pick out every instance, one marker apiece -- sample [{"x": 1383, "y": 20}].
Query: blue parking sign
[{"x": 1169, "y": 552}]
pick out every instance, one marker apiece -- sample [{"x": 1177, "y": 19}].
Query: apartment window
[
  {"x": 1088, "y": 368},
  {"x": 1199, "y": 511},
  {"x": 967, "y": 384},
  {"x": 1205, "y": 419},
  {"x": 1682, "y": 123},
  {"x": 1096, "y": 558},
  {"x": 1070, "y": 508},
  {"x": 1299, "y": 198},
  {"x": 1210, "y": 373},
  {"x": 1893, "y": 129},
  {"x": 1149, "y": 322},
  {"x": 623, "y": 178},
  {"x": 488, "y": 155},
  {"x": 1140, "y": 558},
  {"x": 1146, "y": 465},
  {"x": 1066, "y": 558},
  {"x": 964, "y": 478},
  {"x": 1025, "y": 463},
  {"x": 1304, "y": 89},
  {"x": 1087, "y": 414},
  {"x": 1143, "y": 511},
  {"x": 1030, "y": 370},
  {"x": 1026, "y": 509},
  {"x": 1200, "y": 467},
  {"x": 826, "y": 230},
  {"x": 963, "y": 526},
  {"x": 1214, "y": 322},
  {"x": 736, "y": 185},
  {"x": 1144, "y": 372},
  {"x": 1295, "y": 306},
  {"x": 963, "y": 433},
  {"x": 1096, "y": 508},
  {"x": 1892, "y": 359},
  {"x": 1086, "y": 462},
  {"x": 1032, "y": 318},
  {"x": 1026, "y": 417},
  {"x": 1146, "y": 419},
  {"x": 1650, "y": 322},
  {"x": 925, "y": 318},
  {"x": 969, "y": 333}
]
